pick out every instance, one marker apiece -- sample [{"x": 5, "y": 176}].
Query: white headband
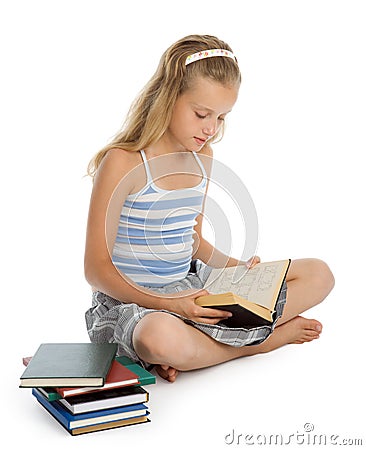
[{"x": 209, "y": 54}]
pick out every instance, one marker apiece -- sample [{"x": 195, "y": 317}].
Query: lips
[{"x": 200, "y": 141}]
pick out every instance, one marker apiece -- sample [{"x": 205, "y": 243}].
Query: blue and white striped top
[{"x": 154, "y": 241}]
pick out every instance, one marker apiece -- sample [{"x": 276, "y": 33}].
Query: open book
[{"x": 250, "y": 294}]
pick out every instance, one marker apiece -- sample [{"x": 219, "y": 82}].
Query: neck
[{"x": 167, "y": 145}]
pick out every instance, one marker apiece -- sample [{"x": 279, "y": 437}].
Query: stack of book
[{"x": 86, "y": 387}]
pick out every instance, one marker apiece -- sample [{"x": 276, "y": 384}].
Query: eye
[
  {"x": 200, "y": 116},
  {"x": 221, "y": 118}
]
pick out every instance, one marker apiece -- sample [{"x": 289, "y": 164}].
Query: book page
[{"x": 259, "y": 284}]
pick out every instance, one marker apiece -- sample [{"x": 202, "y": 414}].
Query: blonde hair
[{"x": 151, "y": 112}]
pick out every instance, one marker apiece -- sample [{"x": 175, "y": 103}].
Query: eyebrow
[{"x": 196, "y": 105}]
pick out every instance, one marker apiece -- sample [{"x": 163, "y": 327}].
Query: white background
[{"x": 296, "y": 136}]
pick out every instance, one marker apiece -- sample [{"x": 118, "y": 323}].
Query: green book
[
  {"x": 68, "y": 365},
  {"x": 144, "y": 376},
  {"x": 50, "y": 394}
]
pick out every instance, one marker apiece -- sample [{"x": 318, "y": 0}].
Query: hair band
[{"x": 209, "y": 54}]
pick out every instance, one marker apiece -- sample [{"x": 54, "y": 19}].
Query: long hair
[{"x": 151, "y": 112}]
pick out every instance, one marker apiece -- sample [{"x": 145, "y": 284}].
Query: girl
[{"x": 145, "y": 256}]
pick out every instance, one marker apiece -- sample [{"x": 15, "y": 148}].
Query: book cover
[
  {"x": 118, "y": 376},
  {"x": 69, "y": 364},
  {"x": 72, "y": 421},
  {"x": 249, "y": 294},
  {"x": 111, "y": 398},
  {"x": 144, "y": 376}
]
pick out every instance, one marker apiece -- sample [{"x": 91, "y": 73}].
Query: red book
[{"x": 118, "y": 376}]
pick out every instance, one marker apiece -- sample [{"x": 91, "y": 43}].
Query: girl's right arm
[
  {"x": 113, "y": 182},
  {"x": 115, "y": 179}
]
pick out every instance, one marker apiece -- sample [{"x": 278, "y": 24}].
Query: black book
[{"x": 110, "y": 398}]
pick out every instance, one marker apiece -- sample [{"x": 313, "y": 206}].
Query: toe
[
  {"x": 310, "y": 335},
  {"x": 167, "y": 373},
  {"x": 172, "y": 373},
  {"x": 162, "y": 371},
  {"x": 315, "y": 326}
]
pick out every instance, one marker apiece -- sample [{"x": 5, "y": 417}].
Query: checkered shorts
[{"x": 109, "y": 320}]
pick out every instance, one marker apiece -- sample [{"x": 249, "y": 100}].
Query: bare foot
[
  {"x": 296, "y": 331},
  {"x": 167, "y": 373},
  {"x": 308, "y": 330},
  {"x": 303, "y": 330}
]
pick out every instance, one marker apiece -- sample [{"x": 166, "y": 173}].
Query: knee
[
  {"x": 322, "y": 276},
  {"x": 157, "y": 339},
  {"x": 146, "y": 337}
]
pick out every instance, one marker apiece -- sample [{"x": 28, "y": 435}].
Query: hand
[
  {"x": 183, "y": 303},
  {"x": 252, "y": 261}
]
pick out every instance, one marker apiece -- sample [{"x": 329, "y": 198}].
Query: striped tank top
[{"x": 154, "y": 242}]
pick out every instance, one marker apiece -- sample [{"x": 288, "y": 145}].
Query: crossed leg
[{"x": 165, "y": 340}]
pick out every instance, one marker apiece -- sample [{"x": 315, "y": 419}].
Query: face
[{"x": 199, "y": 113}]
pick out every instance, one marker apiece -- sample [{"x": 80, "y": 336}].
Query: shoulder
[
  {"x": 119, "y": 165},
  {"x": 121, "y": 159}
]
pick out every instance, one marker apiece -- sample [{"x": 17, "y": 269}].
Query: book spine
[{"x": 51, "y": 409}]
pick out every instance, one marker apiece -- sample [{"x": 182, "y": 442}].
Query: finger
[
  {"x": 194, "y": 293},
  {"x": 200, "y": 293},
  {"x": 209, "y": 320},
  {"x": 211, "y": 313},
  {"x": 253, "y": 261}
]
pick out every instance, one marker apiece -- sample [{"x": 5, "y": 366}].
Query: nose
[{"x": 210, "y": 129}]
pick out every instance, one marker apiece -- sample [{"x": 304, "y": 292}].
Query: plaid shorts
[{"x": 109, "y": 320}]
